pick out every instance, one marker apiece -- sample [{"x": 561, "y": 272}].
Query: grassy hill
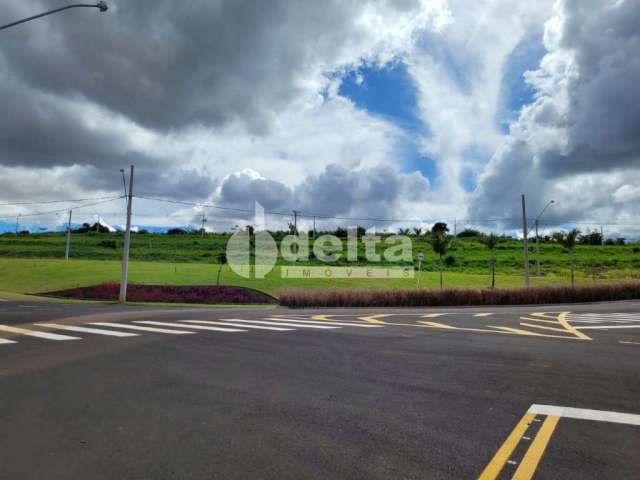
[{"x": 468, "y": 255}]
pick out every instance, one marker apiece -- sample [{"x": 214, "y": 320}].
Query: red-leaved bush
[
  {"x": 458, "y": 297},
  {"x": 209, "y": 294}
]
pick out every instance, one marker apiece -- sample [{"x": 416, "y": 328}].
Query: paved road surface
[{"x": 105, "y": 392}]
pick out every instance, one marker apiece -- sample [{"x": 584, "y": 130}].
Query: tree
[
  {"x": 222, "y": 259},
  {"x": 404, "y": 231},
  {"x": 491, "y": 241},
  {"x": 470, "y": 233},
  {"x": 417, "y": 231},
  {"x": 440, "y": 244},
  {"x": 557, "y": 236},
  {"x": 440, "y": 228},
  {"x": 569, "y": 242}
]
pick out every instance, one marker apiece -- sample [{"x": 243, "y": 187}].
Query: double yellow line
[{"x": 529, "y": 463}]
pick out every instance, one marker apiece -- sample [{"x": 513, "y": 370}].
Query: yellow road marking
[
  {"x": 433, "y": 315},
  {"x": 493, "y": 469},
  {"x": 439, "y": 325},
  {"x": 321, "y": 317},
  {"x": 543, "y": 327},
  {"x": 374, "y": 318},
  {"x": 516, "y": 330},
  {"x": 529, "y": 463},
  {"x": 562, "y": 320},
  {"x": 555, "y": 322}
]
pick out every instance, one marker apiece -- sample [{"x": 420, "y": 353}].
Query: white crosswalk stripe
[
  {"x": 141, "y": 328},
  {"x": 197, "y": 327},
  {"x": 4, "y": 341},
  {"x": 231, "y": 324},
  {"x": 607, "y": 327},
  {"x": 34, "y": 333},
  {"x": 288, "y": 324},
  {"x": 96, "y": 331},
  {"x": 322, "y": 322},
  {"x": 604, "y": 321}
]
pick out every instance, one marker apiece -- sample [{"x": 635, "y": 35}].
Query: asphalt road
[{"x": 385, "y": 393}]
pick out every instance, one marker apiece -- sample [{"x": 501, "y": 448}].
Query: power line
[
  {"x": 48, "y": 202},
  {"x": 60, "y": 210}
]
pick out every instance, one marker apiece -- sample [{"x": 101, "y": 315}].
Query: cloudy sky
[{"x": 414, "y": 110}]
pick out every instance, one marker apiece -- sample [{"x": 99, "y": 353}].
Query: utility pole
[
  {"x": 127, "y": 239},
  {"x": 455, "y": 227},
  {"x": 295, "y": 222},
  {"x": 314, "y": 226},
  {"x": 551, "y": 202},
  {"x": 537, "y": 251},
  {"x": 527, "y": 280},
  {"x": 17, "y": 223},
  {"x": 601, "y": 235},
  {"x": 204, "y": 220},
  {"x": 68, "y": 246}
]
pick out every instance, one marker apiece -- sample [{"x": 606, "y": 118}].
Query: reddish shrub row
[
  {"x": 457, "y": 297},
  {"x": 208, "y": 294}
]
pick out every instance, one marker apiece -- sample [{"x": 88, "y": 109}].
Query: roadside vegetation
[
  {"x": 458, "y": 297},
  {"x": 34, "y": 263}
]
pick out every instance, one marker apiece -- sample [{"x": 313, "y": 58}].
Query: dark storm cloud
[
  {"x": 167, "y": 64},
  {"x": 580, "y": 140},
  {"x": 371, "y": 192}
]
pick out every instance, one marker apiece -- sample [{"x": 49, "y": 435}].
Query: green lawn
[
  {"x": 44, "y": 275},
  {"x": 34, "y": 263}
]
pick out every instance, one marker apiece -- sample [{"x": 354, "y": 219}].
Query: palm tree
[
  {"x": 569, "y": 242},
  {"x": 404, "y": 231},
  {"x": 417, "y": 231},
  {"x": 490, "y": 241},
  {"x": 222, "y": 259},
  {"x": 440, "y": 244}
]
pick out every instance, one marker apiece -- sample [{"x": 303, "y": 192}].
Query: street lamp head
[
  {"x": 552, "y": 201},
  {"x": 102, "y": 6}
]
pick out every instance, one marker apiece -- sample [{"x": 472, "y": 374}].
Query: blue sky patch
[
  {"x": 389, "y": 92},
  {"x": 514, "y": 92}
]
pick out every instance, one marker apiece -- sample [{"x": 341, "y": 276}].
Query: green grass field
[
  {"x": 45, "y": 275},
  {"x": 34, "y": 264}
]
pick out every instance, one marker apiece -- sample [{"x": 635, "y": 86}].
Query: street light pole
[
  {"x": 68, "y": 245},
  {"x": 538, "y": 238},
  {"x": 127, "y": 239},
  {"x": 527, "y": 280},
  {"x": 102, "y": 6}
]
